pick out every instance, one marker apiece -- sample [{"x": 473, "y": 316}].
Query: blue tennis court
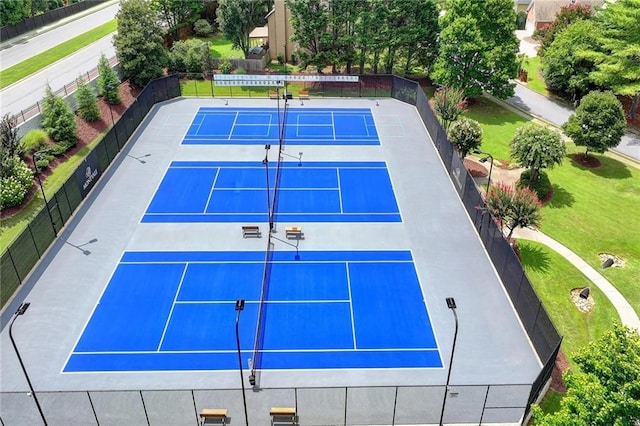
[
  {"x": 302, "y": 126},
  {"x": 307, "y": 192},
  {"x": 169, "y": 311}
]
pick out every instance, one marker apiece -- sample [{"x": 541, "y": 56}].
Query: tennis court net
[{"x": 266, "y": 274}]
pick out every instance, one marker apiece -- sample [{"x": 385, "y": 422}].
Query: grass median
[{"x": 36, "y": 63}]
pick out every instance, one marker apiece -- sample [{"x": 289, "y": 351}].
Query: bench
[
  {"x": 283, "y": 415},
  {"x": 303, "y": 94},
  {"x": 293, "y": 232},
  {"x": 251, "y": 231},
  {"x": 273, "y": 94},
  {"x": 214, "y": 416}
]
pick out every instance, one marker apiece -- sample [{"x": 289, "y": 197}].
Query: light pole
[
  {"x": 46, "y": 203},
  {"x": 484, "y": 160},
  {"x": 451, "y": 304},
  {"x": 239, "y": 308},
  {"x": 20, "y": 311}
]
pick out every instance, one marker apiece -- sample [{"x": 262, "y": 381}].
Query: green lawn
[
  {"x": 498, "y": 126},
  {"x": 12, "y": 227},
  {"x": 205, "y": 88},
  {"x": 535, "y": 82},
  {"x": 553, "y": 277},
  {"x": 595, "y": 211},
  {"x": 41, "y": 60},
  {"x": 220, "y": 47}
]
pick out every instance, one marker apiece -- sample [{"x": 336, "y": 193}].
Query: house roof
[{"x": 546, "y": 10}]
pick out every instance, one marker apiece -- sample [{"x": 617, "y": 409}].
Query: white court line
[
  {"x": 339, "y": 190},
  {"x": 213, "y": 185},
  {"x": 233, "y": 125},
  {"x": 173, "y": 305},
  {"x": 333, "y": 125},
  {"x": 221, "y": 351},
  {"x": 353, "y": 324}
]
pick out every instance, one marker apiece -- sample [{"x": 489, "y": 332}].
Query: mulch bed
[
  {"x": 87, "y": 133},
  {"x": 589, "y": 162},
  {"x": 475, "y": 169}
]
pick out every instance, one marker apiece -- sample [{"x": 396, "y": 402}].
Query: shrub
[
  {"x": 540, "y": 186},
  {"x": 202, "y": 27},
  {"x": 521, "y": 20},
  {"x": 280, "y": 58},
  {"x": 42, "y": 164},
  {"x": 225, "y": 66},
  {"x": 240, "y": 70},
  {"x": 14, "y": 186},
  {"x": 33, "y": 141}
]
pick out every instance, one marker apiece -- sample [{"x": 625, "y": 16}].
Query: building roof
[{"x": 546, "y": 10}]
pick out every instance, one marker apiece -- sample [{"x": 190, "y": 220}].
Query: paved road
[
  {"x": 557, "y": 114},
  {"x": 27, "y": 92},
  {"x": 18, "y": 50}
]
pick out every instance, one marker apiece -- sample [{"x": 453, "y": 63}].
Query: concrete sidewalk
[{"x": 626, "y": 312}]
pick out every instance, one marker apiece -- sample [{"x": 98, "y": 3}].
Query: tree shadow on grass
[
  {"x": 609, "y": 168},
  {"x": 561, "y": 198},
  {"x": 534, "y": 257}
]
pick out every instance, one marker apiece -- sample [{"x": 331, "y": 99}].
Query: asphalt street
[
  {"x": 557, "y": 114},
  {"x": 30, "y": 90}
]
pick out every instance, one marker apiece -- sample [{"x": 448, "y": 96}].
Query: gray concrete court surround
[{"x": 494, "y": 364}]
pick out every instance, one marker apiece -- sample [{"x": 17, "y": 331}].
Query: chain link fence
[
  {"x": 348, "y": 406},
  {"x": 23, "y": 253}
]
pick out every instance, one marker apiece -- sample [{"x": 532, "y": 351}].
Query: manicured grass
[
  {"x": 595, "y": 211},
  {"x": 205, "y": 88},
  {"x": 220, "y": 47},
  {"x": 551, "y": 402},
  {"x": 535, "y": 82},
  {"x": 14, "y": 225},
  {"x": 498, "y": 126},
  {"x": 41, "y": 60},
  {"x": 553, "y": 278}
]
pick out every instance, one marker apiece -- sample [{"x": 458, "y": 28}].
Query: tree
[
  {"x": 618, "y": 66},
  {"x": 177, "y": 13},
  {"x": 419, "y": 34},
  {"x": 478, "y": 47},
  {"x": 87, "y": 101},
  {"x": 309, "y": 19},
  {"x": 58, "y": 119},
  {"x": 606, "y": 388},
  {"x": 565, "y": 17},
  {"x": 9, "y": 135},
  {"x": 190, "y": 56},
  {"x": 466, "y": 135},
  {"x": 13, "y": 11},
  {"x": 513, "y": 207},
  {"x": 449, "y": 103},
  {"x": 237, "y": 18},
  {"x": 108, "y": 82},
  {"x": 536, "y": 147},
  {"x": 564, "y": 69},
  {"x": 138, "y": 42},
  {"x": 598, "y": 123}
]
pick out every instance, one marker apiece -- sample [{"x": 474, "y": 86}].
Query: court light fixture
[
  {"x": 451, "y": 304},
  {"x": 19, "y": 312},
  {"x": 240, "y": 308},
  {"x": 484, "y": 159}
]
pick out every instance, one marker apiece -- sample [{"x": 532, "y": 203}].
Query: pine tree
[
  {"x": 58, "y": 119},
  {"x": 108, "y": 82},
  {"x": 87, "y": 101}
]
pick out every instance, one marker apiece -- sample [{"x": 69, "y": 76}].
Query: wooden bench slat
[
  {"x": 283, "y": 411},
  {"x": 214, "y": 412}
]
